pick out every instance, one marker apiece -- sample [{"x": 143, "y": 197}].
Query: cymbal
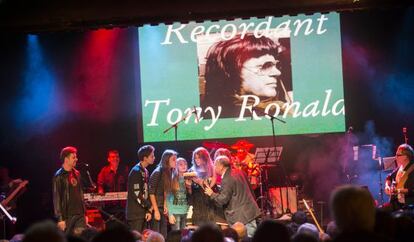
[
  {"x": 214, "y": 145},
  {"x": 242, "y": 145}
]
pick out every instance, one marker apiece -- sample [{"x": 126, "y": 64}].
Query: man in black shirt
[
  {"x": 139, "y": 208},
  {"x": 68, "y": 195}
]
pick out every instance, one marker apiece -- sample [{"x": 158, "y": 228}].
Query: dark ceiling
[{"x": 63, "y": 15}]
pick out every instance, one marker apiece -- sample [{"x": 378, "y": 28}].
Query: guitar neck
[{"x": 14, "y": 193}]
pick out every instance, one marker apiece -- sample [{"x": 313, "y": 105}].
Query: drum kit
[
  {"x": 273, "y": 201},
  {"x": 242, "y": 159},
  {"x": 245, "y": 161}
]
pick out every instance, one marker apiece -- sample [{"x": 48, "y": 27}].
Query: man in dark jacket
[
  {"x": 236, "y": 196},
  {"x": 139, "y": 209},
  {"x": 68, "y": 195}
]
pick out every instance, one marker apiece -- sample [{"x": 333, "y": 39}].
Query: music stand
[
  {"x": 389, "y": 163},
  {"x": 368, "y": 161},
  {"x": 266, "y": 157},
  {"x": 272, "y": 121},
  {"x": 272, "y": 157}
]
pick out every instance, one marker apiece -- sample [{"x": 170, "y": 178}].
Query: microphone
[
  {"x": 404, "y": 129},
  {"x": 196, "y": 115}
]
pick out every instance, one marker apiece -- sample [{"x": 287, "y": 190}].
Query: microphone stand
[
  {"x": 108, "y": 215},
  {"x": 381, "y": 192},
  {"x": 91, "y": 182},
  {"x": 8, "y": 215},
  {"x": 90, "y": 179},
  {"x": 111, "y": 216},
  {"x": 264, "y": 197},
  {"x": 286, "y": 178},
  {"x": 175, "y": 125}
]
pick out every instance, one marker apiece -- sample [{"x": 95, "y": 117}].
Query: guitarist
[
  {"x": 399, "y": 185},
  {"x": 10, "y": 190},
  {"x": 9, "y": 186}
]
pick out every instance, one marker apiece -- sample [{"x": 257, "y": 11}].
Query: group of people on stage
[{"x": 216, "y": 192}]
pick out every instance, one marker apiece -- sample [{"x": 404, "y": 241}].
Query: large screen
[{"x": 221, "y": 79}]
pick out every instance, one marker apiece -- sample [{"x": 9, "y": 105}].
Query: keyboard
[{"x": 109, "y": 196}]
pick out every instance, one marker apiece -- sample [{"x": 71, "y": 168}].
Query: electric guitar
[{"x": 13, "y": 194}]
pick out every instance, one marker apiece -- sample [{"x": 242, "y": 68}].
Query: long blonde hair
[{"x": 175, "y": 182}]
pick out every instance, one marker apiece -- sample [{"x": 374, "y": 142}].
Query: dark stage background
[{"x": 78, "y": 88}]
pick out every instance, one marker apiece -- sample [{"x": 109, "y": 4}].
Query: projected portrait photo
[{"x": 245, "y": 71}]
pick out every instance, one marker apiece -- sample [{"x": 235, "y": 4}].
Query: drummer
[
  {"x": 223, "y": 151},
  {"x": 245, "y": 161}
]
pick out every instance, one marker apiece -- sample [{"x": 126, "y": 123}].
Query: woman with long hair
[
  {"x": 161, "y": 182},
  {"x": 177, "y": 196},
  {"x": 204, "y": 210}
]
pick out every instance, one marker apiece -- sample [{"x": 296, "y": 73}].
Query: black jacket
[
  {"x": 61, "y": 193},
  {"x": 237, "y": 198},
  {"x": 138, "y": 198}
]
